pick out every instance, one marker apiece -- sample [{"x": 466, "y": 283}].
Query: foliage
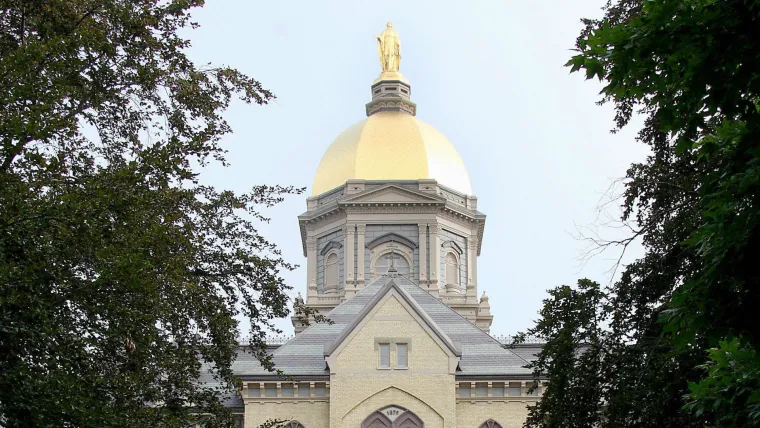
[
  {"x": 731, "y": 388},
  {"x": 120, "y": 274},
  {"x": 690, "y": 68}
]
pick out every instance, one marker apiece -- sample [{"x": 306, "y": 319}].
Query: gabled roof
[
  {"x": 480, "y": 354},
  {"x": 391, "y": 285}
]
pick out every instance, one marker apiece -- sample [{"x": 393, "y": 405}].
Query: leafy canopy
[
  {"x": 675, "y": 340},
  {"x": 121, "y": 276}
]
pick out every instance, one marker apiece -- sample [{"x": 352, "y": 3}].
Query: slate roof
[{"x": 304, "y": 355}]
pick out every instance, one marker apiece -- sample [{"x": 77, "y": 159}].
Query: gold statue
[{"x": 389, "y": 48}]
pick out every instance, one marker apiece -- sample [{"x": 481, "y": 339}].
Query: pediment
[
  {"x": 415, "y": 311},
  {"x": 392, "y": 194}
]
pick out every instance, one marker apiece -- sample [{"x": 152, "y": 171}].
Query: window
[
  {"x": 464, "y": 390},
  {"x": 452, "y": 269},
  {"x": 385, "y": 355},
  {"x": 534, "y": 392},
  {"x": 481, "y": 389},
  {"x": 331, "y": 273},
  {"x": 514, "y": 389},
  {"x": 287, "y": 389},
  {"x": 253, "y": 390},
  {"x": 383, "y": 263},
  {"x": 320, "y": 389},
  {"x": 303, "y": 389},
  {"x": 497, "y": 389},
  {"x": 402, "y": 359},
  {"x": 270, "y": 390}
]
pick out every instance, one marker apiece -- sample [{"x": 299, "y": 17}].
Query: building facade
[{"x": 391, "y": 237}]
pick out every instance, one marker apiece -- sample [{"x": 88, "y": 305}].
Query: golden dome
[{"x": 391, "y": 145}]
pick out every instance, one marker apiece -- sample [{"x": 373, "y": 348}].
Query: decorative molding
[
  {"x": 399, "y": 208},
  {"x": 311, "y": 244},
  {"x": 452, "y": 244},
  {"x": 390, "y": 236},
  {"x": 329, "y": 246},
  {"x": 472, "y": 242},
  {"x": 391, "y": 104},
  {"x": 413, "y": 196}
]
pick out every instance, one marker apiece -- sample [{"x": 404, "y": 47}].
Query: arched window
[
  {"x": 452, "y": 272},
  {"x": 393, "y": 417},
  {"x": 490, "y": 424},
  {"x": 383, "y": 263},
  {"x": 331, "y": 273},
  {"x": 293, "y": 424}
]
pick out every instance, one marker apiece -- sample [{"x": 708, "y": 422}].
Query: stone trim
[
  {"x": 329, "y": 246},
  {"x": 390, "y": 236},
  {"x": 452, "y": 244}
]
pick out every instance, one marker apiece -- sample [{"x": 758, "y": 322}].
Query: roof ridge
[
  {"x": 367, "y": 308},
  {"x": 476, "y": 327}
]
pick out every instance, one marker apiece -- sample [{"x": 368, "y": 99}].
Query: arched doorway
[{"x": 393, "y": 417}]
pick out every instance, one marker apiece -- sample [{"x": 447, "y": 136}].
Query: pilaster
[
  {"x": 435, "y": 258},
  {"x": 422, "y": 227},
  {"x": 472, "y": 269},
  {"x": 311, "y": 267},
  {"x": 348, "y": 258},
  {"x": 360, "y": 256}
]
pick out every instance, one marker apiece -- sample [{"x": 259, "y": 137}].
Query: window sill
[
  {"x": 401, "y": 368},
  {"x": 384, "y": 368}
]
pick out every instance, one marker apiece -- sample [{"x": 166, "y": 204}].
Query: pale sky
[{"x": 488, "y": 74}]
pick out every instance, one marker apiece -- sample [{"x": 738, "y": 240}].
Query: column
[
  {"x": 311, "y": 267},
  {"x": 360, "y": 256},
  {"x": 472, "y": 269},
  {"x": 435, "y": 258},
  {"x": 423, "y": 254},
  {"x": 348, "y": 259}
]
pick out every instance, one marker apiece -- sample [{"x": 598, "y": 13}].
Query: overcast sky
[{"x": 488, "y": 74}]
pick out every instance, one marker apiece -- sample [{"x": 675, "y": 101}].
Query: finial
[{"x": 483, "y": 298}]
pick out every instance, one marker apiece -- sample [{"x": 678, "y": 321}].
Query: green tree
[
  {"x": 120, "y": 274},
  {"x": 679, "y": 329}
]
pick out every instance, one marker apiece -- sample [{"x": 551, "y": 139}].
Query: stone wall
[
  {"x": 311, "y": 414},
  {"x": 508, "y": 413}
]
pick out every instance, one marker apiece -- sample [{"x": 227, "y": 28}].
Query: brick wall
[
  {"x": 508, "y": 413},
  {"x": 358, "y": 387}
]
